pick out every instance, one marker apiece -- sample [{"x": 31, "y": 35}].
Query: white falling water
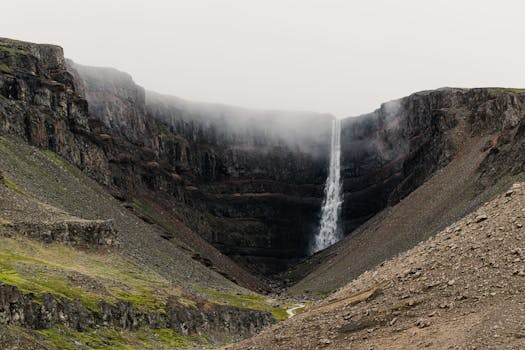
[{"x": 329, "y": 231}]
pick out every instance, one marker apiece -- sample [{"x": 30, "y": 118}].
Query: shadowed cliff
[{"x": 250, "y": 182}]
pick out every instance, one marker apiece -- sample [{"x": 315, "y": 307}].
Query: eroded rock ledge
[
  {"x": 73, "y": 232},
  {"x": 48, "y": 310}
]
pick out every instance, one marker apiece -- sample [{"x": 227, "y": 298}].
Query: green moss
[
  {"x": 323, "y": 294},
  {"x": 40, "y": 282},
  {"x": 5, "y": 68},
  {"x": 145, "y": 210},
  {"x": 299, "y": 310},
  {"x": 108, "y": 338},
  {"x": 141, "y": 299},
  {"x": 249, "y": 301},
  {"x": 13, "y": 48},
  {"x": 279, "y": 313},
  {"x": 53, "y": 156},
  {"x": 13, "y": 187},
  {"x": 62, "y": 270},
  {"x": 164, "y": 129},
  {"x": 175, "y": 340}
]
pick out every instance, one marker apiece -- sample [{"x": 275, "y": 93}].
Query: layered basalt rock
[
  {"x": 389, "y": 153},
  {"x": 213, "y": 320},
  {"x": 249, "y": 182},
  {"x": 72, "y": 232},
  {"x": 39, "y": 103},
  {"x": 427, "y": 160},
  {"x": 254, "y": 187}
]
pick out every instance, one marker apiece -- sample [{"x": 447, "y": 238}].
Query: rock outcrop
[
  {"x": 19, "y": 309},
  {"x": 75, "y": 232},
  {"x": 39, "y": 103},
  {"x": 389, "y": 153}
]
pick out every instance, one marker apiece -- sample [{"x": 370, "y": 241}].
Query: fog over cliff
[
  {"x": 342, "y": 57},
  {"x": 223, "y": 124}
]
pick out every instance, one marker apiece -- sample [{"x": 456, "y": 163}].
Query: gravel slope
[{"x": 462, "y": 289}]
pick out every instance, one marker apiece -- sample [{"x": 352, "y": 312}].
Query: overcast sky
[{"x": 343, "y": 57}]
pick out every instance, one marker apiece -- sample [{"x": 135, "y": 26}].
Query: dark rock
[
  {"x": 481, "y": 218},
  {"x": 17, "y": 308}
]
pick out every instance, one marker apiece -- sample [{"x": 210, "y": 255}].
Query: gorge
[{"x": 201, "y": 214}]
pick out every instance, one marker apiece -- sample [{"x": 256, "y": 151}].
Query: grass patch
[
  {"x": 45, "y": 283},
  {"x": 87, "y": 276},
  {"x": 4, "y": 222},
  {"x": 13, "y": 187},
  {"x": 248, "y": 301},
  {"x": 279, "y": 313},
  {"x": 175, "y": 340},
  {"x": 53, "y": 156},
  {"x": 323, "y": 294},
  {"x": 109, "y": 338}
]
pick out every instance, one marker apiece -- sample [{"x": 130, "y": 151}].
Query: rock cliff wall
[
  {"x": 19, "y": 309},
  {"x": 389, "y": 153},
  {"x": 249, "y": 182},
  {"x": 415, "y": 166},
  {"x": 39, "y": 103}
]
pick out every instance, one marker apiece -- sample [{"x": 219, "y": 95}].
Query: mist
[{"x": 339, "y": 57}]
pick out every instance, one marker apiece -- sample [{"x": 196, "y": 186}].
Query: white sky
[{"x": 344, "y": 57}]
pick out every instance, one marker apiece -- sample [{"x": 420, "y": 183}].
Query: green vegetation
[
  {"x": 3, "y": 221},
  {"x": 13, "y": 48},
  {"x": 279, "y": 313},
  {"x": 87, "y": 276},
  {"x": 145, "y": 210},
  {"x": 164, "y": 129},
  {"x": 323, "y": 294},
  {"x": 5, "y": 68},
  {"x": 13, "y": 187},
  {"x": 54, "y": 157},
  {"x": 250, "y": 301},
  {"x": 108, "y": 338}
]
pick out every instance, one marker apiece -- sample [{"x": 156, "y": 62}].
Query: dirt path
[{"x": 291, "y": 311}]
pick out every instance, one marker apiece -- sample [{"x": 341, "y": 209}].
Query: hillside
[
  {"x": 463, "y": 288},
  {"x": 79, "y": 267},
  {"x": 152, "y": 282}
]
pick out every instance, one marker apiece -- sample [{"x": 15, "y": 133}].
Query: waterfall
[{"x": 329, "y": 228}]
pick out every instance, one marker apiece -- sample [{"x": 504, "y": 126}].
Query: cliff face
[
  {"x": 19, "y": 309},
  {"x": 389, "y": 153},
  {"x": 39, "y": 104},
  {"x": 44, "y": 197},
  {"x": 249, "y": 182},
  {"x": 413, "y": 167}
]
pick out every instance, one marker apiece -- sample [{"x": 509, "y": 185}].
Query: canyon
[{"x": 209, "y": 197}]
